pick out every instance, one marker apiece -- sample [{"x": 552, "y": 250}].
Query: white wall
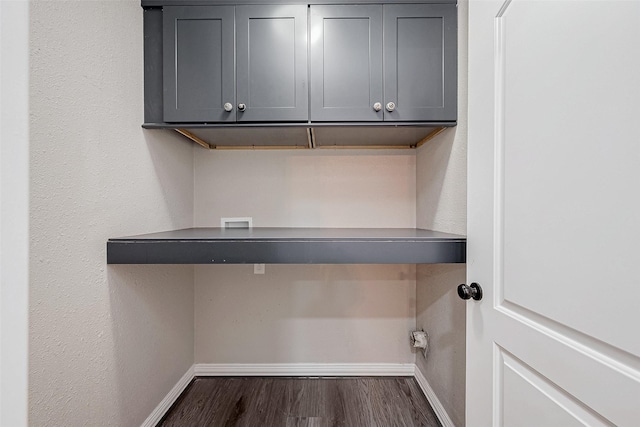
[
  {"x": 305, "y": 313},
  {"x": 106, "y": 342},
  {"x": 14, "y": 211},
  {"x": 299, "y": 188},
  {"x": 441, "y": 205}
]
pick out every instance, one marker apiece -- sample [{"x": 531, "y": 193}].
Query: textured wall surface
[
  {"x": 316, "y": 188},
  {"x": 441, "y": 201},
  {"x": 305, "y": 313},
  {"x": 106, "y": 342},
  {"x": 441, "y": 313}
]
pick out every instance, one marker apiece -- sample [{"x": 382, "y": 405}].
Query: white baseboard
[
  {"x": 299, "y": 370},
  {"x": 305, "y": 369},
  {"x": 433, "y": 399},
  {"x": 164, "y": 405}
]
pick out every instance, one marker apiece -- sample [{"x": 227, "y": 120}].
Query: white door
[{"x": 554, "y": 213}]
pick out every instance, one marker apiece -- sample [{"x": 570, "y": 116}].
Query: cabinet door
[
  {"x": 198, "y": 58},
  {"x": 346, "y": 62},
  {"x": 420, "y": 63},
  {"x": 271, "y": 59}
]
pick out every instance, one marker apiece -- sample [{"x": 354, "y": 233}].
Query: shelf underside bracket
[
  {"x": 353, "y": 137},
  {"x": 195, "y": 138},
  {"x": 365, "y": 147},
  {"x": 433, "y": 134},
  {"x": 311, "y": 139}
]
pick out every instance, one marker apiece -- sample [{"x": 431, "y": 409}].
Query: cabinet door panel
[
  {"x": 272, "y": 63},
  {"x": 420, "y": 62},
  {"x": 198, "y": 63},
  {"x": 346, "y": 62}
]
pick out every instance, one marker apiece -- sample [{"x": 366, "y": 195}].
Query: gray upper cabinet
[
  {"x": 420, "y": 62},
  {"x": 346, "y": 63},
  {"x": 228, "y": 64},
  {"x": 271, "y": 55},
  {"x": 217, "y": 65},
  {"x": 198, "y": 63},
  {"x": 394, "y": 62}
]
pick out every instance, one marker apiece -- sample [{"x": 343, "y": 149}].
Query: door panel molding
[
  {"x": 510, "y": 367},
  {"x": 507, "y": 138},
  {"x": 615, "y": 358},
  {"x": 595, "y": 381},
  {"x": 499, "y": 158}
]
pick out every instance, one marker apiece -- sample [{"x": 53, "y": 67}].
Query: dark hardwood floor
[{"x": 298, "y": 402}]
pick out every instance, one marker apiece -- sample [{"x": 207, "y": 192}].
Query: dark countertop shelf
[{"x": 289, "y": 246}]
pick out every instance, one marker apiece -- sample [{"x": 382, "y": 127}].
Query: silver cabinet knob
[
  {"x": 377, "y": 106},
  {"x": 228, "y": 106},
  {"x": 242, "y": 107},
  {"x": 391, "y": 106}
]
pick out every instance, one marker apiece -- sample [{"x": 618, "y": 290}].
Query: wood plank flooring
[{"x": 301, "y": 402}]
